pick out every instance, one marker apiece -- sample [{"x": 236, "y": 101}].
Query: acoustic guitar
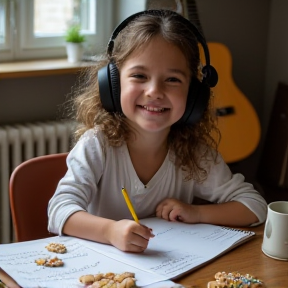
[{"x": 237, "y": 119}]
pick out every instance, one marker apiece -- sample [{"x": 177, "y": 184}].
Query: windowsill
[{"x": 40, "y": 68}]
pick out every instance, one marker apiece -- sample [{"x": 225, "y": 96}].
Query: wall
[
  {"x": 243, "y": 27},
  {"x": 255, "y": 33},
  {"x": 277, "y": 55},
  {"x": 124, "y": 8},
  {"x": 33, "y": 98},
  {"x": 250, "y": 29}
]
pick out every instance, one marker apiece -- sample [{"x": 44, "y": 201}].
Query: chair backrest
[{"x": 32, "y": 184}]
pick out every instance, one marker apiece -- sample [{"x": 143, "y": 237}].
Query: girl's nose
[{"x": 155, "y": 90}]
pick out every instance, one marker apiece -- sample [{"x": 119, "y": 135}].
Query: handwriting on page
[
  {"x": 19, "y": 263},
  {"x": 28, "y": 257},
  {"x": 219, "y": 235},
  {"x": 176, "y": 247},
  {"x": 174, "y": 262}
]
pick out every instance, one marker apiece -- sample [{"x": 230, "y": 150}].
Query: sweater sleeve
[
  {"x": 75, "y": 189},
  {"x": 223, "y": 186}
]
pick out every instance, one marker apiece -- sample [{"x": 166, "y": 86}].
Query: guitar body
[
  {"x": 237, "y": 119},
  {"x": 240, "y": 129}
]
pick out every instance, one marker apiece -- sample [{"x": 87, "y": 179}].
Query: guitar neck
[{"x": 190, "y": 12}]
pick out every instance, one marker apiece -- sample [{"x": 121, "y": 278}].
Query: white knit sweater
[{"x": 97, "y": 172}]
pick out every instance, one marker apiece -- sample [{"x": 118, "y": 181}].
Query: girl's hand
[
  {"x": 174, "y": 210},
  {"x": 128, "y": 236},
  {"x": 9, "y": 282}
]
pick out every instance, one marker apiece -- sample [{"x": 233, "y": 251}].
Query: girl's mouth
[{"x": 153, "y": 109}]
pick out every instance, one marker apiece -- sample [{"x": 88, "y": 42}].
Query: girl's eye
[
  {"x": 138, "y": 76},
  {"x": 173, "y": 79}
]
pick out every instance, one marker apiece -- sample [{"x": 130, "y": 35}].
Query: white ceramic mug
[{"x": 275, "y": 239}]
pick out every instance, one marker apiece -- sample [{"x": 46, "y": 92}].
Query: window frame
[
  {"x": 5, "y": 49},
  {"x": 22, "y": 45}
]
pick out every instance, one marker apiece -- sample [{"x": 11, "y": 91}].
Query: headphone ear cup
[
  {"x": 197, "y": 102},
  {"x": 115, "y": 86},
  {"x": 109, "y": 88},
  {"x": 211, "y": 75}
]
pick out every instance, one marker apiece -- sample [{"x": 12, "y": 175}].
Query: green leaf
[{"x": 74, "y": 35}]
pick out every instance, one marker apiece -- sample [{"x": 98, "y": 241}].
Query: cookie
[
  {"x": 56, "y": 247},
  {"x": 109, "y": 280},
  {"x": 49, "y": 262}
]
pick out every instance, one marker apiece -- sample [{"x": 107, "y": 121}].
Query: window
[
  {"x": 4, "y": 35},
  {"x": 2, "y": 22},
  {"x": 32, "y": 29}
]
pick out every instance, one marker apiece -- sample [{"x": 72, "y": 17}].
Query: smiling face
[{"x": 154, "y": 86}]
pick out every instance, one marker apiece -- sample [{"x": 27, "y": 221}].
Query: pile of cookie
[
  {"x": 55, "y": 261},
  {"x": 101, "y": 280},
  {"x": 111, "y": 280},
  {"x": 235, "y": 280}
]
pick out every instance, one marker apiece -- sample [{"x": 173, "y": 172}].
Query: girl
[{"x": 146, "y": 123}]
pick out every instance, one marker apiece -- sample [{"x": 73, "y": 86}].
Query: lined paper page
[
  {"x": 18, "y": 260},
  {"x": 178, "y": 247}
]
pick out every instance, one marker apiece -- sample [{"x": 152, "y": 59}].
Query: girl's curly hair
[{"x": 193, "y": 144}]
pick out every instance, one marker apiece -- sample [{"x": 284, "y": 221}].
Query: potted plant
[{"x": 74, "y": 40}]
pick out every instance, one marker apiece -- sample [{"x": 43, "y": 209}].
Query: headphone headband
[{"x": 209, "y": 72}]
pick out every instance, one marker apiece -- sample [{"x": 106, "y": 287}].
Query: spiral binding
[{"x": 238, "y": 230}]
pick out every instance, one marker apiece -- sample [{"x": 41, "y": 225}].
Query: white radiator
[{"x": 22, "y": 142}]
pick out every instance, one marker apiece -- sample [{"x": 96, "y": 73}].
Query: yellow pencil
[{"x": 129, "y": 204}]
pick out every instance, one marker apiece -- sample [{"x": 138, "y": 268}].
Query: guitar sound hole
[{"x": 224, "y": 111}]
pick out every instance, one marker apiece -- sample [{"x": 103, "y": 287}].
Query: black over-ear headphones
[{"x": 199, "y": 92}]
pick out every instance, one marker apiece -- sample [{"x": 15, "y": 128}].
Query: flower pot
[{"x": 74, "y": 52}]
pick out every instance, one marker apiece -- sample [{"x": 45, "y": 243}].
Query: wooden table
[{"x": 246, "y": 258}]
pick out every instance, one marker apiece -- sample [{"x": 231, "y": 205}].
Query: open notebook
[{"x": 176, "y": 249}]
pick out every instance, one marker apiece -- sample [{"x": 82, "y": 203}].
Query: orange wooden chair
[{"x": 32, "y": 184}]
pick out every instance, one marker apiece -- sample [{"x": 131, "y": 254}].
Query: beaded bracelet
[
  {"x": 2, "y": 284},
  {"x": 235, "y": 280}
]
